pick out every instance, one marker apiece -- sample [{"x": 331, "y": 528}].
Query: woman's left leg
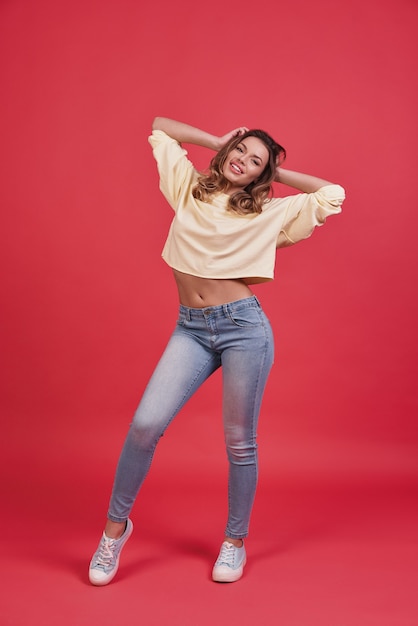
[
  {"x": 247, "y": 357},
  {"x": 246, "y": 366}
]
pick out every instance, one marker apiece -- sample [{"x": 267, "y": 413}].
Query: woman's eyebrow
[{"x": 254, "y": 155}]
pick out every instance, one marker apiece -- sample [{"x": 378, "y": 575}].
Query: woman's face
[{"x": 245, "y": 163}]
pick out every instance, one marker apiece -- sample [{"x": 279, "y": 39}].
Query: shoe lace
[
  {"x": 227, "y": 554},
  {"x": 105, "y": 554}
]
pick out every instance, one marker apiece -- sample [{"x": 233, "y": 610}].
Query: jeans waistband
[{"x": 219, "y": 309}]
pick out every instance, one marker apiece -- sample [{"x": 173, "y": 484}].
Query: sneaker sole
[{"x": 229, "y": 577}]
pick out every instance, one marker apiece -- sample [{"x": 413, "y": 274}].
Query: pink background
[{"x": 87, "y": 303}]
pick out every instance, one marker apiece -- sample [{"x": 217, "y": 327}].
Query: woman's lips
[{"x": 235, "y": 168}]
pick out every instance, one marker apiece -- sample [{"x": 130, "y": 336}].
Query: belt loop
[{"x": 188, "y": 314}]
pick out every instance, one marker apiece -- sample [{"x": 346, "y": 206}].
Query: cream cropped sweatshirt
[{"x": 208, "y": 240}]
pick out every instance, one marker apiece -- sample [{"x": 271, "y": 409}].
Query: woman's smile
[{"x": 236, "y": 168}]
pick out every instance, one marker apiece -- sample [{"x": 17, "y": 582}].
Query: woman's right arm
[{"x": 184, "y": 133}]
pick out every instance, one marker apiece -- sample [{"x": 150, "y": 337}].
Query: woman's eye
[{"x": 240, "y": 149}]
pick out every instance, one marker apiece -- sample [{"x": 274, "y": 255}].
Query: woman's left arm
[
  {"x": 308, "y": 209},
  {"x": 304, "y": 182}
]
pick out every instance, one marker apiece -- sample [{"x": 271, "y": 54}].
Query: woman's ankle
[
  {"x": 114, "y": 530},
  {"x": 238, "y": 543}
]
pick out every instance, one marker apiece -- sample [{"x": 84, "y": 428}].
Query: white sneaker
[
  {"x": 105, "y": 561},
  {"x": 230, "y": 563}
]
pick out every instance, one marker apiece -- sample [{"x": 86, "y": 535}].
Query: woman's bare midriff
[{"x": 197, "y": 293}]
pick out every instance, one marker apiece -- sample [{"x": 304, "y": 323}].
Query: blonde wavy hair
[{"x": 251, "y": 198}]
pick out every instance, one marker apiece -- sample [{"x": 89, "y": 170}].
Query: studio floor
[{"x": 334, "y": 550}]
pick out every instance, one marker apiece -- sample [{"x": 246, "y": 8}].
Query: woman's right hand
[{"x": 232, "y": 133}]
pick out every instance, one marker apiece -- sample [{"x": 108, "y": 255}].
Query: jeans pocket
[{"x": 248, "y": 316}]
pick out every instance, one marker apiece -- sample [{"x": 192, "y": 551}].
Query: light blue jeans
[{"x": 236, "y": 336}]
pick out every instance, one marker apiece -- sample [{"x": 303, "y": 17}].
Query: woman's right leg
[{"x": 184, "y": 366}]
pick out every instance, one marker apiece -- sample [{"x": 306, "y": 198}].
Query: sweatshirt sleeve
[
  {"x": 307, "y": 210},
  {"x": 175, "y": 170}
]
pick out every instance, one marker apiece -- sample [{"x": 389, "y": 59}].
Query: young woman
[{"x": 223, "y": 238}]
